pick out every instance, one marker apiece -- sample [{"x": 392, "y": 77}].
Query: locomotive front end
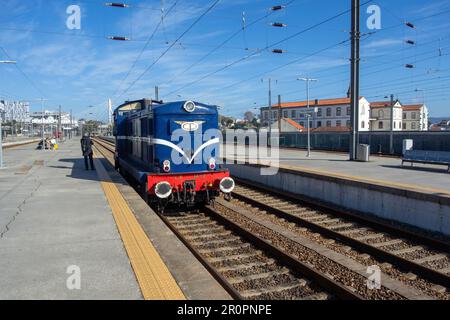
[{"x": 186, "y": 142}]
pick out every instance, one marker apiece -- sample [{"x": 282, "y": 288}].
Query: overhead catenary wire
[
  {"x": 211, "y": 7},
  {"x": 223, "y": 43},
  {"x": 265, "y": 48},
  {"x": 19, "y": 68},
  {"x": 259, "y": 75},
  {"x": 150, "y": 38}
]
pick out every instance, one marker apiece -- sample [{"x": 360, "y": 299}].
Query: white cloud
[{"x": 376, "y": 44}]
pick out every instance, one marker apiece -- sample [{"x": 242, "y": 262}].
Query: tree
[
  {"x": 225, "y": 121},
  {"x": 249, "y": 116},
  {"x": 91, "y": 126}
]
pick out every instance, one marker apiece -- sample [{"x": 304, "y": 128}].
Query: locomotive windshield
[{"x": 129, "y": 107}]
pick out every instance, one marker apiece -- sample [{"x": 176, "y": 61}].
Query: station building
[
  {"x": 415, "y": 117},
  {"x": 380, "y": 116},
  {"x": 14, "y": 110},
  {"x": 334, "y": 114},
  {"x": 324, "y": 113}
]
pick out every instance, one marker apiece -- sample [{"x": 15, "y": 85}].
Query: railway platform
[
  {"x": 381, "y": 169},
  {"x": 418, "y": 196},
  {"x": 67, "y": 233}
]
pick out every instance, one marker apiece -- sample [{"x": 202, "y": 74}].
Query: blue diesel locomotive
[{"x": 171, "y": 151}]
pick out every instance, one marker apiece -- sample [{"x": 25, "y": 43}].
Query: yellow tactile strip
[{"x": 153, "y": 276}]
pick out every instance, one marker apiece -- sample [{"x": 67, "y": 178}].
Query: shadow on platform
[{"x": 79, "y": 171}]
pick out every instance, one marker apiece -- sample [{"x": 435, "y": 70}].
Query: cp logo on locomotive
[{"x": 190, "y": 125}]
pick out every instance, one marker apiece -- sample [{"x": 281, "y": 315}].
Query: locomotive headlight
[
  {"x": 212, "y": 164},
  {"x": 166, "y": 165},
  {"x": 163, "y": 189},
  {"x": 189, "y": 106},
  {"x": 226, "y": 185}
]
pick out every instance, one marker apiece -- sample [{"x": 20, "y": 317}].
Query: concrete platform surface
[
  {"x": 55, "y": 224},
  {"x": 385, "y": 169}
]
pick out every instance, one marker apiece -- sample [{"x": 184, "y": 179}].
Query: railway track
[
  {"x": 246, "y": 271},
  {"x": 251, "y": 247},
  {"x": 413, "y": 254},
  {"x": 235, "y": 258}
]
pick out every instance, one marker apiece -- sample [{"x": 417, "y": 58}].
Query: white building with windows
[
  {"x": 415, "y": 117},
  {"x": 14, "y": 110},
  {"x": 380, "y": 116},
  {"x": 325, "y": 113},
  {"x": 49, "y": 121}
]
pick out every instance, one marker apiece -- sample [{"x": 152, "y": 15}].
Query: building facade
[
  {"x": 49, "y": 120},
  {"x": 323, "y": 113},
  {"x": 335, "y": 114},
  {"x": 415, "y": 117},
  {"x": 17, "y": 111},
  {"x": 380, "y": 116}
]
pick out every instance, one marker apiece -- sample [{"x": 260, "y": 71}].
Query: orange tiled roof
[
  {"x": 380, "y": 104},
  {"x": 294, "y": 124},
  {"x": 332, "y": 129},
  {"x": 312, "y": 103},
  {"x": 412, "y": 107}
]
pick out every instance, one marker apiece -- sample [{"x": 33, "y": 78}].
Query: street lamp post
[
  {"x": 1, "y": 119},
  {"x": 391, "y": 129},
  {"x": 270, "y": 112},
  {"x": 1, "y": 140},
  {"x": 42, "y": 120},
  {"x": 42, "y": 123},
  {"x": 308, "y": 115}
]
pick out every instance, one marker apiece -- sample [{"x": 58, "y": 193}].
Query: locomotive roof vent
[{"x": 189, "y": 106}]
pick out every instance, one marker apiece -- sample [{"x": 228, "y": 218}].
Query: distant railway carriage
[{"x": 171, "y": 151}]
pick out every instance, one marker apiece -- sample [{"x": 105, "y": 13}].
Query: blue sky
[{"x": 79, "y": 68}]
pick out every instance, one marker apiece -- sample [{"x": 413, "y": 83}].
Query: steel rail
[
  {"x": 425, "y": 272},
  {"x": 356, "y": 216},
  {"x": 290, "y": 261},
  {"x": 213, "y": 271},
  {"x": 293, "y": 263}
]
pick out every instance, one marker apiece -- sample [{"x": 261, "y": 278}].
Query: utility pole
[
  {"x": 308, "y": 114},
  {"x": 110, "y": 115},
  {"x": 110, "y": 112},
  {"x": 279, "y": 113},
  {"x": 354, "y": 79},
  {"x": 13, "y": 116},
  {"x": 156, "y": 93},
  {"x": 270, "y": 112},
  {"x": 59, "y": 125},
  {"x": 42, "y": 123},
  {"x": 1, "y": 140},
  {"x": 1, "y": 119},
  {"x": 391, "y": 137},
  {"x": 71, "y": 124}
]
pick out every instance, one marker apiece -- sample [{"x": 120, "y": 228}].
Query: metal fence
[{"x": 378, "y": 141}]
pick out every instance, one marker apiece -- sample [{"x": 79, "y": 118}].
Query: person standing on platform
[
  {"x": 53, "y": 143},
  {"x": 86, "y": 148}
]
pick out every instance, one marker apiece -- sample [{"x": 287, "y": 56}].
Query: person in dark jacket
[{"x": 86, "y": 148}]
